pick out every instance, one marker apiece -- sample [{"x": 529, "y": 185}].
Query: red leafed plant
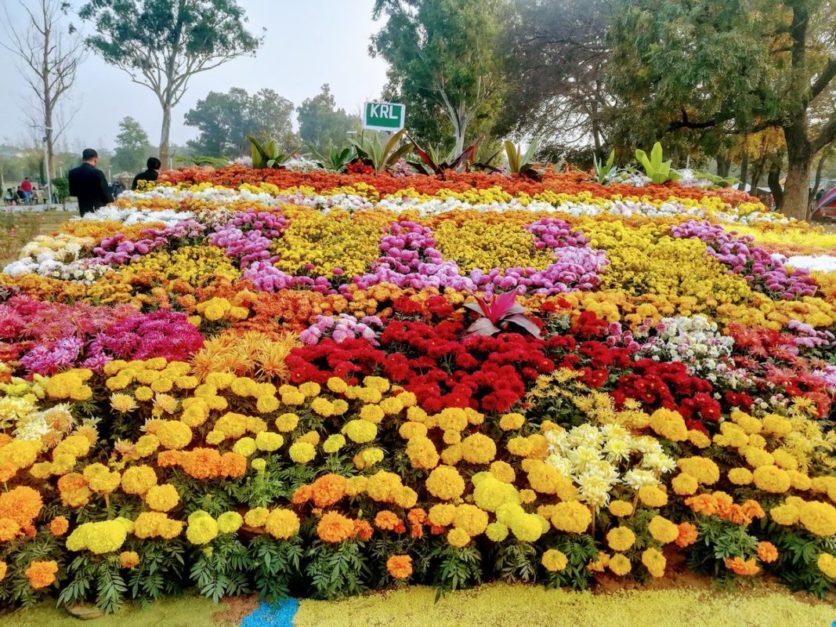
[{"x": 498, "y": 313}]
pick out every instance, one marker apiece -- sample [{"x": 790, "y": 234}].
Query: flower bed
[{"x": 309, "y": 385}]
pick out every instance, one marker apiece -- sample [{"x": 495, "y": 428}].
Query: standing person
[
  {"x": 151, "y": 173},
  {"x": 88, "y": 183},
  {"x": 26, "y": 188}
]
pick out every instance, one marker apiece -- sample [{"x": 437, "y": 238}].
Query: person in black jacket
[
  {"x": 152, "y": 172},
  {"x": 88, "y": 183}
]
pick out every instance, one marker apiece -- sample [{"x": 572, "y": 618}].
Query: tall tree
[
  {"x": 322, "y": 124},
  {"x": 162, "y": 44},
  {"x": 558, "y": 56},
  {"x": 715, "y": 67},
  {"x": 49, "y": 57},
  {"x": 132, "y": 146},
  {"x": 224, "y": 121},
  {"x": 445, "y": 60}
]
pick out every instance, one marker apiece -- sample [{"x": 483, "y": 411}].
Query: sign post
[{"x": 384, "y": 116}]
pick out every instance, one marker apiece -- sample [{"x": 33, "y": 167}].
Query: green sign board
[{"x": 384, "y": 116}]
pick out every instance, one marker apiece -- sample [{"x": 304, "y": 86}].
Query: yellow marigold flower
[
  {"x": 620, "y": 509},
  {"x": 333, "y": 443},
  {"x": 360, "y": 431},
  {"x": 757, "y": 457},
  {"x": 785, "y": 514},
  {"x": 442, "y": 514},
  {"x": 703, "y": 470},
  {"x": 776, "y": 425},
  {"x": 496, "y": 532},
  {"x": 698, "y": 439},
  {"x": 818, "y": 518},
  {"x": 652, "y": 496},
  {"x": 663, "y": 530},
  {"x": 445, "y": 483},
  {"x": 511, "y": 422},
  {"x": 571, "y": 517},
  {"x": 619, "y": 564},
  {"x": 620, "y": 539},
  {"x": 554, "y": 561},
  {"x": 310, "y": 389},
  {"x": 162, "y": 498},
  {"x": 99, "y": 537},
  {"x": 268, "y": 441},
  {"x": 827, "y": 564},
  {"x": 669, "y": 424},
  {"x": 230, "y": 522},
  {"x": 409, "y": 430},
  {"x": 654, "y": 561},
  {"x": 740, "y": 476},
  {"x": 245, "y": 446},
  {"x": 122, "y": 403},
  {"x": 490, "y": 493},
  {"x": 266, "y": 404},
  {"x": 470, "y": 518},
  {"x": 143, "y": 393},
  {"x": 372, "y": 413},
  {"x": 391, "y": 406},
  {"x": 503, "y": 471},
  {"x": 202, "y": 528},
  {"x": 799, "y": 480},
  {"x": 138, "y": 480},
  {"x": 302, "y": 452},
  {"x": 458, "y": 538},
  {"x": 287, "y": 422},
  {"x": 771, "y": 479},
  {"x": 173, "y": 434},
  {"x": 256, "y": 517},
  {"x": 478, "y": 449},
  {"x": 337, "y": 385},
  {"x": 684, "y": 484},
  {"x": 322, "y": 407},
  {"x": 422, "y": 452}
]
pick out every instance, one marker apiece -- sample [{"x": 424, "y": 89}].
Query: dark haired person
[
  {"x": 152, "y": 172},
  {"x": 88, "y": 183}
]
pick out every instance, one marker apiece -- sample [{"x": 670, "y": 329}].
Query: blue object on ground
[{"x": 279, "y": 615}]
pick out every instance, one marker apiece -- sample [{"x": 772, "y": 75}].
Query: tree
[
  {"x": 558, "y": 57},
  {"x": 224, "y": 121},
  {"x": 724, "y": 67},
  {"x": 321, "y": 124},
  {"x": 49, "y": 58},
  {"x": 132, "y": 146},
  {"x": 444, "y": 61},
  {"x": 161, "y": 45}
]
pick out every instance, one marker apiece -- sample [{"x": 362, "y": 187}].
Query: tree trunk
[
  {"x": 723, "y": 166},
  {"x": 819, "y": 169},
  {"x": 166, "y": 130},
  {"x": 774, "y": 181},
  {"x": 797, "y": 190},
  {"x": 744, "y": 169},
  {"x": 757, "y": 172}
]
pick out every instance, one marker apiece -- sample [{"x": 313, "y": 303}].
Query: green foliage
[
  {"x": 719, "y": 540},
  {"x": 132, "y": 146},
  {"x": 381, "y": 156},
  {"x": 160, "y": 571},
  {"x": 225, "y": 119},
  {"x": 61, "y": 188},
  {"x": 334, "y": 158},
  {"x": 336, "y": 570},
  {"x": 431, "y": 162},
  {"x": 603, "y": 170},
  {"x": 221, "y": 569},
  {"x": 454, "y": 569},
  {"x": 275, "y": 565},
  {"x": 445, "y": 64},
  {"x": 322, "y": 124},
  {"x": 657, "y": 170},
  {"x": 516, "y": 561},
  {"x": 520, "y": 162},
  {"x": 720, "y": 181},
  {"x": 579, "y": 553},
  {"x": 267, "y": 154},
  {"x": 797, "y": 557}
]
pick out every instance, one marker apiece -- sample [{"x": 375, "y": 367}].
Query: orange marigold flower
[
  {"x": 169, "y": 459},
  {"x": 3, "y": 568},
  {"x": 302, "y": 495},
  {"x": 767, "y": 552},
  {"x": 201, "y": 463},
  {"x": 399, "y": 566},
  {"x": 128, "y": 559},
  {"x": 58, "y": 526},
  {"x": 745, "y": 568},
  {"x": 232, "y": 465},
  {"x": 688, "y": 534},
  {"x": 704, "y": 504},
  {"x": 9, "y": 529},
  {"x": 328, "y": 489},
  {"x": 387, "y": 521},
  {"x": 363, "y": 530},
  {"x": 753, "y": 509},
  {"x": 334, "y": 527},
  {"x": 74, "y": 490},
  {"x": 22, "y": 504},
  {"x": 41, "y": 574}
]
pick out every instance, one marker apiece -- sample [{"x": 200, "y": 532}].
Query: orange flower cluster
[
  {"x": 19, "y": 507},
  {"x": 205, "y": 463},
  {"x": 723, "y": 506},
  {"x": 744, "y": 568}
]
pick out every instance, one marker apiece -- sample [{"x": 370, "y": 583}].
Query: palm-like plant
[
  {"x": 380, "y": 156},
  {"x": 267, "y": 154},
  {"x": 500, "y": 313},
  {"x": 520, "y": 162},
  {"x": 656, "y": 170}
]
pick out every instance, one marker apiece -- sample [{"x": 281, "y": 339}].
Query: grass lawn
[
  {"x": 18, "y": 228},
  {"x": 492, "y": 605}
]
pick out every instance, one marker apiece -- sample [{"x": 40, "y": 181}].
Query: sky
[{"x": 307, "y": 43}]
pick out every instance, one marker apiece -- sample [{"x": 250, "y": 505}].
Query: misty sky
[{"x": 307, "y": 43}]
